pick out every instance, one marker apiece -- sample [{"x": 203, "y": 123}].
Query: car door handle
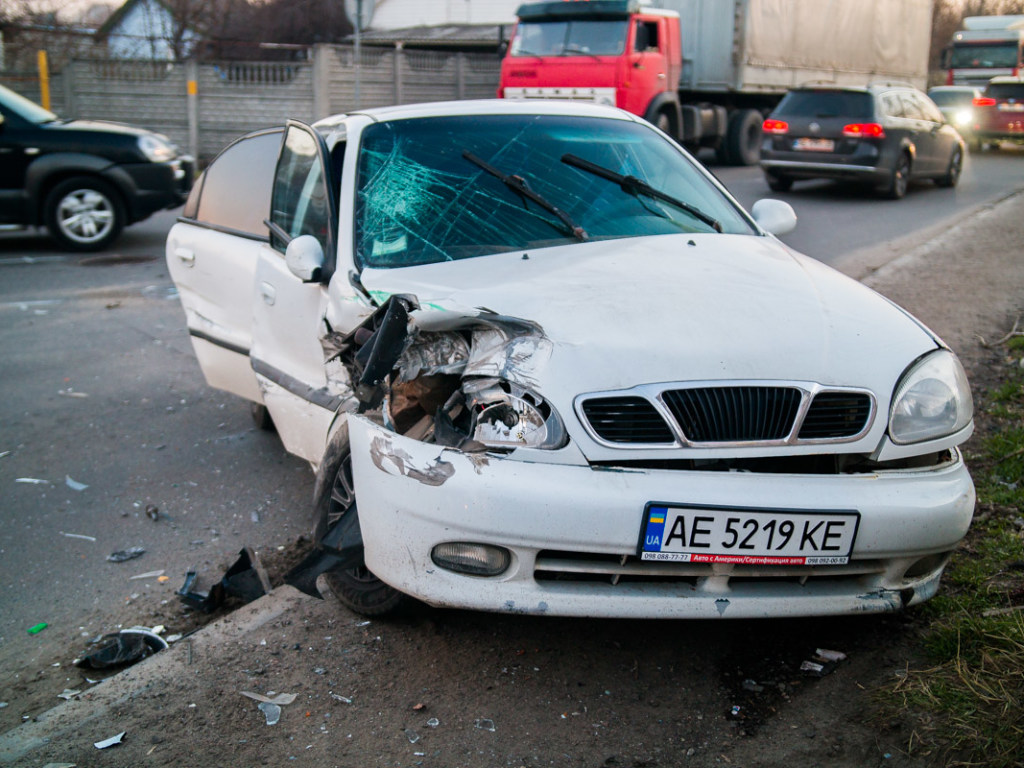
[
  {"x": 186, "y": 256},
  {"x": 268, "y": 293}
]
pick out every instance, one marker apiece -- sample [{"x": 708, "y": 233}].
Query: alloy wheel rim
[{"x": 85, "y": 216}]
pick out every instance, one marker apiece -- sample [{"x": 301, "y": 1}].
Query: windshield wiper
[
  {"x": 631, "y": 185},
  {"x": 518, "y": 185}
]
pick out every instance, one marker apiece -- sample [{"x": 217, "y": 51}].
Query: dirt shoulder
[{"x": 450, "y": 688}]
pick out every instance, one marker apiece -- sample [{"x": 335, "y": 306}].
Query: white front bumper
[
  {"x": 573, "y": 526},
  {"x": 605, "y": 96}
]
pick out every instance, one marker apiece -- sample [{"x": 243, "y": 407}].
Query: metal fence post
[
  {"x": 192, "y": 105},
  {"x": 321, "y": 81},
  {"x": 399, "y": 62},
  {"x": 68, "y": 81},
  {"x": 460, "y": 75}
]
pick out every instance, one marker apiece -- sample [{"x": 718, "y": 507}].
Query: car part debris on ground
[
  {"x": 120, "y": 648},
  {"x": 74, "y": 484},
  {"x": 822, "y": 663},
  {"x": 270, "y": 706},
  {"x": 112, "y": 741},
  {"x": 246, "y": 579},
  {"x": 123, "y": 555}
]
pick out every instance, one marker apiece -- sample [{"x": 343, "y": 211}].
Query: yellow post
[{"x": 44, "y": 79}]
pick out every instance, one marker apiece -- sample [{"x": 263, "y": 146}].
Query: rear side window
[
  {"x": 1005, "y": 91},
  {"x": 847, "y": 104},
  {"x": 236, "y": 188}
]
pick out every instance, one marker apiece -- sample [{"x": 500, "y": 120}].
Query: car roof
[
  {"x": 1006, "y": 80},
  {"x": 493, "y": 107},
  {"x": 877, "y": 87},
  {"x": 953, "y": 89}
]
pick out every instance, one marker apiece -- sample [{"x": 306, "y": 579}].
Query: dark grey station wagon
[{"x": 880, "y": 135}]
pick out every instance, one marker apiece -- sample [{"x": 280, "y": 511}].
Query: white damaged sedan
[{"x": 544, "y": 363}]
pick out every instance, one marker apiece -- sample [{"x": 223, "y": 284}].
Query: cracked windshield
[{"x": 440, "y": 189}]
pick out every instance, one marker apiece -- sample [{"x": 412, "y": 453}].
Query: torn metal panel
[
  {"x": 434, "y": 352},
  {"x": 395, "y": 461},
  {"x": 245, "y": 579},
  {"x": 371, "y": 350}
]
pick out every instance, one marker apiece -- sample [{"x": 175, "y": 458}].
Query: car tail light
[
  {"x": 984, "y": 101},
  {"x": 864, "y": 130},
  {"x": 775, "y": 126}
]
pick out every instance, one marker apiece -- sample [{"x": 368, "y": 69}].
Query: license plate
[
  {"x": 684, "y": 534},
  {"x": 814, "y": 145},
  {"x": 1011, "y": 107}
]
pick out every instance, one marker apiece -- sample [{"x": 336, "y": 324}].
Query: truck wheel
[
  {"x": 84, "y": 214},
  {"x": 666, "y": 124},
  {"x": 354, "y": 586},
  {"x": 743, "y": 137}
]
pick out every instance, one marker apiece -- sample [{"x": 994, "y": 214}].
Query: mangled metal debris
[
  {"x": 246, "y": 579},
  {"x": 118, "y": 649}
]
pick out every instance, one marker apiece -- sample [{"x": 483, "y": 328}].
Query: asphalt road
[{"x": 99, "y": 387}]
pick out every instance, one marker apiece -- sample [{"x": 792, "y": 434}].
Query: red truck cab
[{"x": 614, "y": 52}]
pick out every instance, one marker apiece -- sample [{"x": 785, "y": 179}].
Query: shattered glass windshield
[{"x": 420, "y": 200}]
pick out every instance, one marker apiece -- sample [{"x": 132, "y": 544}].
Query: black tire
[
  {"x": 84, "y": 214},
  {"x": 261, "y": 417},
  {"x": 354, "y": 586},
  {"x": 665, "y": 121},
  {"x": 953, "y": 170},
  {"x": 778, "y": 183},
  {"x": 899, "y": 180},
  {"x": 743, "y": 137}
]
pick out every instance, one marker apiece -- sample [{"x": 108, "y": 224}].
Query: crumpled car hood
[{"x": 678, "y": 308}]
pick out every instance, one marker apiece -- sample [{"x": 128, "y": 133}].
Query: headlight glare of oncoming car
[
  {"x": 933, "y": 400},
  {"x": 156, "y": 149},
  {"x": 506, "y": 415}
]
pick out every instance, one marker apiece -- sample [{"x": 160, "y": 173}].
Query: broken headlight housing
[
  {"x": 933, "y": 400},
  {"x": 506, "y": 415}
]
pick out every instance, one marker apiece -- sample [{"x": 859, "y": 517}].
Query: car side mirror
[
  {"x": 304, "y": 258},
  {"x": 774, "y": 216}
]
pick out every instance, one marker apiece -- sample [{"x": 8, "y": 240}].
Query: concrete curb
[{"x": 102, "y": 702}]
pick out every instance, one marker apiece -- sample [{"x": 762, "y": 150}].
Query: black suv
[
  {"x": 882, "y": 135},
  {"x": 83, "y": 180}
]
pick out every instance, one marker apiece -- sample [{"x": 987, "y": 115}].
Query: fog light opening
[
  {"x": 472, "y": 559},
  {"x": 926, "y": 565}
]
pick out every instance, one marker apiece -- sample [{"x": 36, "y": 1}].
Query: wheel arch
[
  {"x": 667, "y": 103},
  {"x": 49, "y": 171}
]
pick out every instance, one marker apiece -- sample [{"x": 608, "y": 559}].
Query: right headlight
[{"x": 932, "y": 400}]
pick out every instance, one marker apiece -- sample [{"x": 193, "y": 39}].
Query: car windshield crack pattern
[{"x": 420, "y": 201}]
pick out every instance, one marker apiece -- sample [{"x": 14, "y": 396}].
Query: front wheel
[
  {"x": 334, "y": 499},
  {"x": 84, "y": 214}
]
